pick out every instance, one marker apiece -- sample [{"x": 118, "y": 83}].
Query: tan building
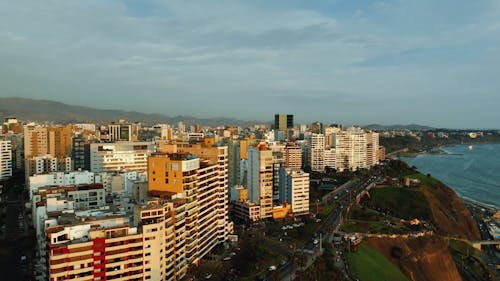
[
  {"x": 197, "y": 173},
  {"x": 260, "y": 179},
  {"x": 59, "y": 141},
  {"x": 293, "y": 156},
  {"x": 35, "y": 140},
  {"x": 372, "y": 148}
]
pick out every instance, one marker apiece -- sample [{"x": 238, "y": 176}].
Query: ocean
[{"x": 472, "y": 171}]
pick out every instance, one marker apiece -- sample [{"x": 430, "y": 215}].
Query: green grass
[
  {"x": 325, "y": 210},
  {"x": 366, "y": 264},
  {"x": 400, "y": 202},
  {"x": 371, "y": 227},
  {"x": 425, "y": 180}
]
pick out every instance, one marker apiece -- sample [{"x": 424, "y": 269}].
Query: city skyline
[{"x": 354, "y": 63}]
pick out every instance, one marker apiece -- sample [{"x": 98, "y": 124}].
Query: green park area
[
  {"x": 400, "y": 202},
  {"x": 366, "y": 264}
]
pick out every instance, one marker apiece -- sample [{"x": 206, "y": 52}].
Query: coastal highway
[
  {"x": 491, "y": 255},
  {"x": 344, "y": 196}
]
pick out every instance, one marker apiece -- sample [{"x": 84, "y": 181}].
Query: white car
[{"x": 272, "y": 268}]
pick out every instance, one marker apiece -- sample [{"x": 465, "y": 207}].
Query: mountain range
[
  {"x": 411, "y": 127},
  {"x": 52, "y": 111}
]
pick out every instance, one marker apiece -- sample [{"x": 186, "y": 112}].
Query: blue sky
[{"x": 356, "y": 62}]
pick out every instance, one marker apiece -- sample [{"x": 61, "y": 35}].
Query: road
[
  {"x": 17, "y": 240},
  {"x": 491, "y": 255},
  {"x": 344, "y": 196}
]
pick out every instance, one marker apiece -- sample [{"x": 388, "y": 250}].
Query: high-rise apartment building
[
  {"x": 372, "y": 148},
  {"x": 35, "y": 140},
  {"x": 5, "y": 159},
  {"x": 350, "y": 149},
  {"x": 278, "y": 150},
  {"x": 260, "y": 178},
  {"x": 294, "y": 189},
  {"x": 283, "y": 123},
  {"x": 198, "y": 175},
  {"x": 40, "y": 140},
  {"x": 234, "y": 163},
  {"x": 293, "y": 156},
  {"x": 317, "y": 152},
  {"x": 59, "y": 141}
]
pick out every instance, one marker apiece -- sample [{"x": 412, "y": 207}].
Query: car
[
  {"x": 315, "y": 241},
  {"x": 272, "y": 268},
  {"x": 226, "y": 258},
  {"x": 208, "y": 276}
]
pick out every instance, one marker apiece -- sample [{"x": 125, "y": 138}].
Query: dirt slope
[
  {"x": 449, "y": 214},
  {"x": 421, "y": 259}
]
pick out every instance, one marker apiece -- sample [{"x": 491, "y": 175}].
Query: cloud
[{"x": 255, "y": 58}]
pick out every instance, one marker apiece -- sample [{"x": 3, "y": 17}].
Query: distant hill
[
  {"x": 411, "y": 127},
  {"x": 52, "y": 111}
]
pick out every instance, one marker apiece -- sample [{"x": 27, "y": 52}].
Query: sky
[{"x": 428, "y": 62}]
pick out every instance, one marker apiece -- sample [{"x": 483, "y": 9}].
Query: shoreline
[
  {"x": 483, "y": 205},
  {"x": 436, "y": 150},
  {"x": 486, "y": 205}
]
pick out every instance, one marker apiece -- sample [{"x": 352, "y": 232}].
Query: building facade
[
  {"x": 294, "y": 190},
  {"x": 5, "y": 159},
  {"x": 130, "y": 156}
]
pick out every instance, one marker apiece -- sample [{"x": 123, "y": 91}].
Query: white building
[
  {"x": 317, "y": 152},
  {"x": 294, "y": 189},
  {"x": 350, "y": 146},
  {"x": 5, "y": 159},
  {"x": 113, "y": 182},
  {"x": 330, "y": 156},
  {"x": 128, "y": 156}
]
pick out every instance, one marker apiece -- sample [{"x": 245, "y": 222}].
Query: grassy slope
[
  {"x": 449, "y": 214},
  {"x": 401, "y": 202},
  {"x": 369, "y": 265}
]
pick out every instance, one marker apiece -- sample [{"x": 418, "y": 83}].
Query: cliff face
[
  {"x": 449, "y": 214},
  {"x": 421, "y": 259}
]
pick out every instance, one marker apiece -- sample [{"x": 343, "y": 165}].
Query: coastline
[
  {"x": 489, "y": 204},
  {"x": 483, "y": 205},
  {"x": 433, "y": 150}
]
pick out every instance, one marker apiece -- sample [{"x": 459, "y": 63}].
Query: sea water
[{"x": 473, "y": 171}]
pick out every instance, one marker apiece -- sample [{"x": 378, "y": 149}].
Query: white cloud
[{"x": 174, "y": 54}]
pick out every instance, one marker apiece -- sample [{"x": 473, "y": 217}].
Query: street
[{"x": 16, "y": 241}]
